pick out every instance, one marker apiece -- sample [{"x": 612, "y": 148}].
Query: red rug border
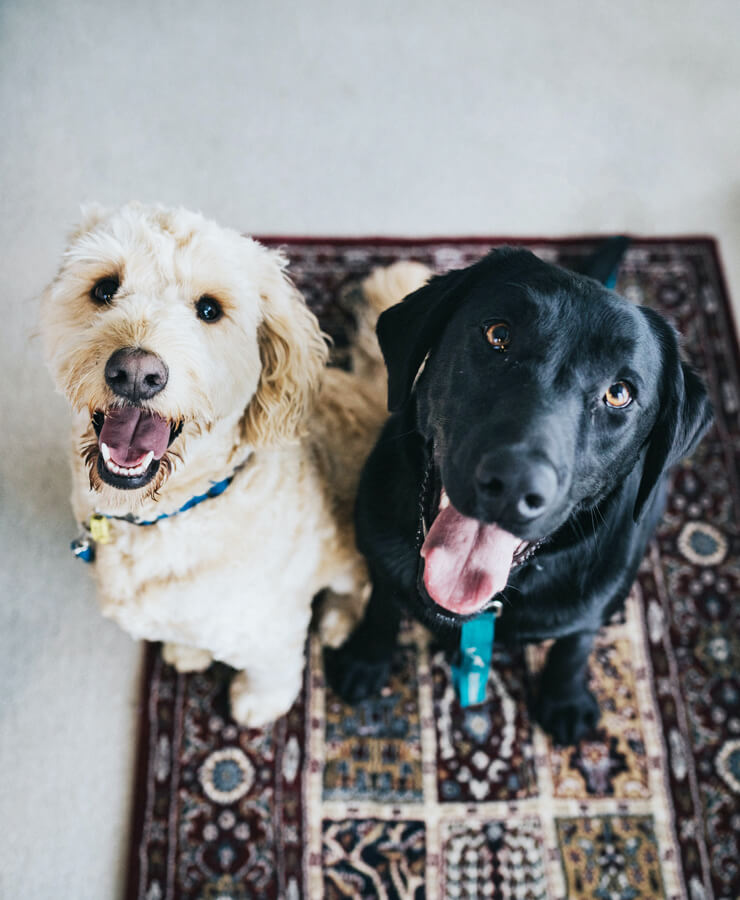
[
  {"x": 410, "y": 240},
  {"x": 138, "y": 807}
]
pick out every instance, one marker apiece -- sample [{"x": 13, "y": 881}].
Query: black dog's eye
[
  {"x": 498, "y": 335},
  {"x": 104, "y": 290},
  {"x": 208, "y": 309},
  {"x": 618, "y": 396}
]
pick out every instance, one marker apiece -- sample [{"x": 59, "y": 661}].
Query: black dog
[{"x": 535, "y": 417}]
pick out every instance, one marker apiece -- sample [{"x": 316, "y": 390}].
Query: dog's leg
[
  {"x": 260, "y": 695},
  {"x": 362, "y": 665},
  {"x": 566, "y": 708},
  {"x": 186, "y": 659}
]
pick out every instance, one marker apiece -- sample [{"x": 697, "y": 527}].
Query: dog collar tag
[
  {"x": 83, "y": 548},
  {"x": 100, "y": 529},
  {"x": 470, "y": 673}
]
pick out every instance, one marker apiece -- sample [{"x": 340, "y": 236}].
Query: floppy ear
[
  {"x": 685, "y": 413},
  {"x": 409, "y": 330},
  {"x": 293, "y": 354}
]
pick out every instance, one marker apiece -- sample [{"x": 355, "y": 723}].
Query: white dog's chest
[{"x": 214, "y": 575}]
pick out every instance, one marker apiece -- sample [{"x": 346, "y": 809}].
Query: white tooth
[{"x": 126, "y": 472}]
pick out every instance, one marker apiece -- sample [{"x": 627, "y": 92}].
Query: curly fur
[{"x": 233, "y": 578}]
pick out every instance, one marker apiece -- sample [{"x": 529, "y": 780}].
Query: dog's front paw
[
  {"x": 351, "y": 676},
  {"x": 252, "y": 708},
  {"x": 567, "y": 717}
]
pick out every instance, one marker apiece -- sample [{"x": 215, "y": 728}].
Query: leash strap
[{"x": 470, "y": 672}]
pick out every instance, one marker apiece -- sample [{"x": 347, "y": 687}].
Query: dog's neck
[{"x": 201, "y": 458}]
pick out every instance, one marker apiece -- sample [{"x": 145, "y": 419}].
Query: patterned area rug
[{"x": 408, "y": 796}]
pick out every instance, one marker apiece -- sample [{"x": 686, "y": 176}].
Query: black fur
[{"x": 529, "y": 416}]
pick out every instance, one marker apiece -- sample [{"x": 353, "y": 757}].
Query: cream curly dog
[{"x": 198, "y": 379}]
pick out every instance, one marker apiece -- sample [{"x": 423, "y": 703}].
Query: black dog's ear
[
  {"x": 685, "y": 413},
  {"x": 408, "y": 330},
  {"x": 603, "y": 263}
]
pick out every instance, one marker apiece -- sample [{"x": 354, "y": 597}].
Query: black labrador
[{"x": 535, "y": 416}]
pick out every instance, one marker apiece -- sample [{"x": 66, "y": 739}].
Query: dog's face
[
  {"x": 540, "y": 394},
  {"x": 161, "y": 324}
]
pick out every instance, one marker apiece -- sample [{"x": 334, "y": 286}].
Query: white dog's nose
[{"x": 135, "y": 374}]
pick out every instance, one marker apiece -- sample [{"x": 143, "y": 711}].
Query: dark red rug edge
[
  {"x": 138, "y": 805},
  {"x": 526, "y": 240}
]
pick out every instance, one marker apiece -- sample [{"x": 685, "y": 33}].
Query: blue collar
[
  {"x": 97, "y": 530},
  {"x": 217, "y": 488}
]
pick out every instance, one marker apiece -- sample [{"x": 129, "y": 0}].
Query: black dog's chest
[{"x": 541, "y": 602}]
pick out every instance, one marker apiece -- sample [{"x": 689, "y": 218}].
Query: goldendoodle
[{"x": 215, "y": 456}]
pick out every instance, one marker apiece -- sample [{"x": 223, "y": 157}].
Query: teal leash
[{"x": 470, "y": 672}]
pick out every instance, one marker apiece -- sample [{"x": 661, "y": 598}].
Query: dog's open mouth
[
  {"x": 466, "y": 562},
  {"x": 132, "y": 442}
]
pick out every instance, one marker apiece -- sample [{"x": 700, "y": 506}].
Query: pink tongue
[
  {"x": 131, "y": 433},
  {"x": 466, "y": 561}
]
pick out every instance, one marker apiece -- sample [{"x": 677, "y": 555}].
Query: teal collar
[{"x": 470, "y": 671}]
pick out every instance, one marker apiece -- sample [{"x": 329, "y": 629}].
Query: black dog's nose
[
  {"x": 135, "y": 374},
  {"x": 515, "y": 485}
]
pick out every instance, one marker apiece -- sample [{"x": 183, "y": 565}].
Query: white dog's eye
[
  {"x": 104, "y": 290},
  {"x": 208, "y": 309}
]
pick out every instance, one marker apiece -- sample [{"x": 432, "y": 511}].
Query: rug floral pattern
[{"x": 408, "y": 796}]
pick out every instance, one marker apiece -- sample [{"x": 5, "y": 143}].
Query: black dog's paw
[
  {"x": 351, "y": 676},
  {"x": 567, "y": 717}
]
